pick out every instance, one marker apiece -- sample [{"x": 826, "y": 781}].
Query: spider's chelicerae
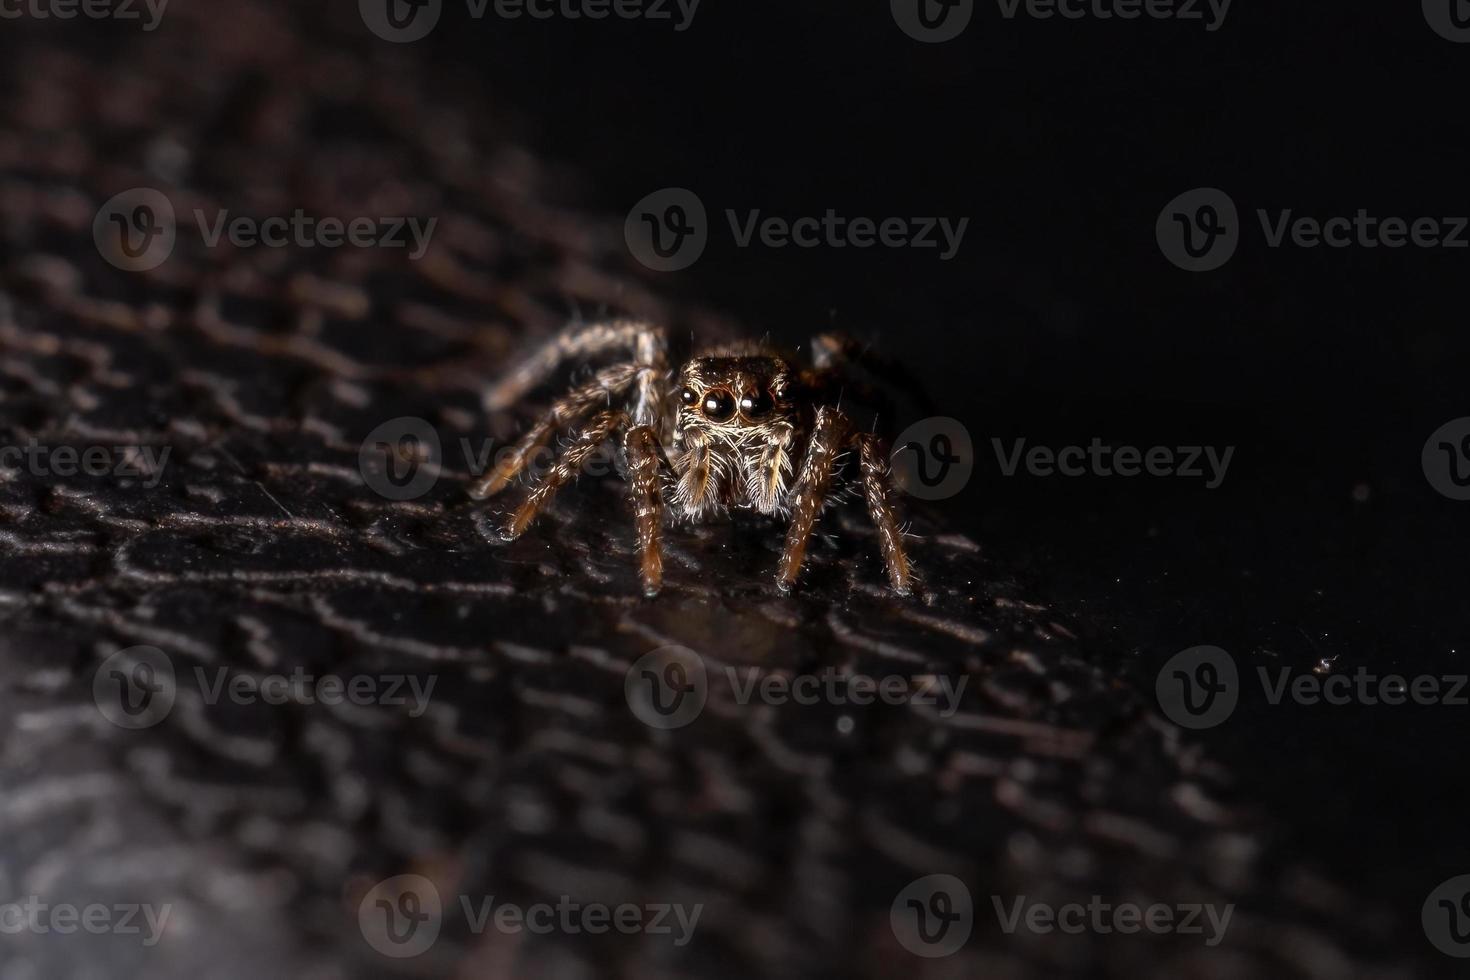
[{"x": 737, "y": 427}]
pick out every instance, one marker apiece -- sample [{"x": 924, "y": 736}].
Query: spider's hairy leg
[
  {"x": 576, "y": 404},
  {"x": 651, "y": 397},
  {"x": 643, "y": 452},
  {"x": 574, "y": 343},
  {"x": 878, "y": 490},
  {"x": 827, "y": 440},
  {"x": 585, "y": 442}
]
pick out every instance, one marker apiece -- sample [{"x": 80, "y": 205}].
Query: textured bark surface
[{"x": 261, "y": 550}]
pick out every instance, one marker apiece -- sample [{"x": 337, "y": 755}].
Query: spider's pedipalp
[
  {"x": 829, "y": 435},
  {"x": 607, "y": 385},
  {"x": 877, "y": 489},
  {"x": 768, "y": 474},
  {"x": 583, "y": 444},
  {"x": 703, "y": 471}
]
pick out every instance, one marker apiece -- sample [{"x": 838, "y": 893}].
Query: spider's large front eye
[
  {"x": 719, "y": 405},
  {"x": 754, "y": 404}
]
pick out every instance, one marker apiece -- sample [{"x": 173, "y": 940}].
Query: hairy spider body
[{"x": 740, "y": 429}]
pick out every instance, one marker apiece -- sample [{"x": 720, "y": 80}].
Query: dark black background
[{"x": 1060, "y": 320}]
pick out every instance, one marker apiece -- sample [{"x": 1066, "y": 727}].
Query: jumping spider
[{"x": 736, "y": 422}]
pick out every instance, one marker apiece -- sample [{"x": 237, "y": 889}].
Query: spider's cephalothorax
[
  {"x": 738, "y": 416},
  {"x": 742, "y": 427}
]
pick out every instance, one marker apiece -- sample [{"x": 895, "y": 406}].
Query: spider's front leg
[
  {"x": 593, "y": 435},
  {"x": 644, "y": 374},
  {"x": 645, "y": 341},
  {"x": 877, "y": 483},
  {"x": 608, "y": 385},
  {"x": 644, "y": 453},
  {"x": 829, "y": 434}
]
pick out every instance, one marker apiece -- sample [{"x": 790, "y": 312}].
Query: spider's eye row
[
  {"x": 719, "y": 405},
  {"x": 756, "y": 403},
  {"x": 688, "y": 396}
]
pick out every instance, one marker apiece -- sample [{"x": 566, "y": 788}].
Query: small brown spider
[{"x": 740, "y": 418}]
